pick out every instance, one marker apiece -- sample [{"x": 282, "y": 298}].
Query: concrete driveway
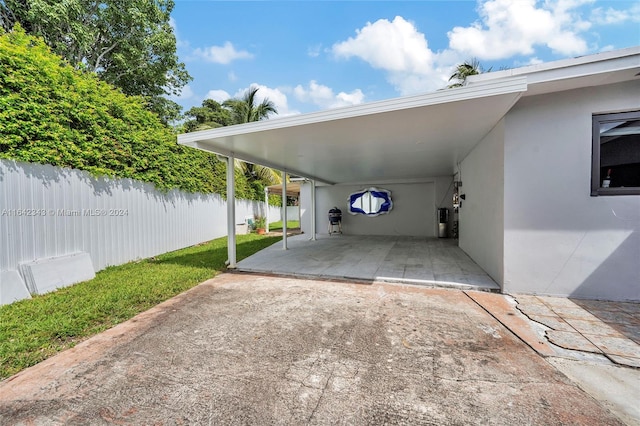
[{"x": 242, "y": 349}]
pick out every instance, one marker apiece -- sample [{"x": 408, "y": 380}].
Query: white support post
[
  {"x": 284, "y": 210},
  {"x": 231, "y": 212},
  {"x": 266, "y": 209},
  {"x": 313, "y": 210}
]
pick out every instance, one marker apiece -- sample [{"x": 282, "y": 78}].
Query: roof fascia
[
  {"x": 491, "y": 88},
  {"x": 581, "y": 66}
]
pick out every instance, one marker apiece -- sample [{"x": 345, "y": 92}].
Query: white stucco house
[{"x": 545, "y": 159}]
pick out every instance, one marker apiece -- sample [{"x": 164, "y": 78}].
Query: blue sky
[{"x": 312, "y": 55}]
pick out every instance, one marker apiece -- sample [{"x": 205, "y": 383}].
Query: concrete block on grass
[
  {"x": 45, "y": 275},
  {"x": 12, "y": 288}
]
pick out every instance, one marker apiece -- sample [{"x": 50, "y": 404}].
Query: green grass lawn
[
  {"x": 277, "y": 226},
  {"x": 34, "y": 329}
]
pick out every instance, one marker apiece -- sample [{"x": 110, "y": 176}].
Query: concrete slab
[
  {"x": 588, "y": 326},
  {"x": 617, "y": 387},
  {"x": 621, "y": 316},
  {"x": 553, "y": 322},
  {"x": 625, "y": 361},
  {"x": 590, "y": 352},
  {"x": 246, "y": 349},
  {"x": 413, "y": 260},
  {"x": 620, "y": 346},
  {"x": 45, "y": 275},
  {"x": 538, "y": 308},
  {"x": 597, "y": 327},
  {"x": 572, "y": 340},
  {"x": 12, "y": 288},
  {"x": 501, "y": 309}
]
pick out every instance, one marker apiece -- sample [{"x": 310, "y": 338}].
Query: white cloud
[
  {"x": 185, "y": 93},
  {"x": 217, "y": 95},
  {"x": 314, "y": 51},
  {"x": 277, "y": 96},
  {"x": 505, "y": 28},
  {"x": 607, "y": 48},
  {"x": 534, "y": 61},
  {"x": 232, "y": 76},
  {"x": 174, "y": 27},
  {"x": 393, "y": 46},
  {"x": 611, "y": 16},
  {"x": 398, "y": 48},
  {"x": 515, "y": 27},
  {"x": 221, "y": 54},
  {"x": 324, "y": 97}
]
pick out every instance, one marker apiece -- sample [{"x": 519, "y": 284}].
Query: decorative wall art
[{"x": 370, "y": 202}]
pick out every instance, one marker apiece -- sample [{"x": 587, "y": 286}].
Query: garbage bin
[{"x": 443, "y": 219}]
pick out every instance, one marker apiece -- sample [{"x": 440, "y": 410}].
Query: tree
[
  {"x": 464, "y": 70},
  {"x": 166, "y": 110},
  {"x": 241, "y": 110},
  {"x": 128, "y": 43},
  {"x": 245, "y": 109},
  {"x": 51, "y": 113},
  {"x": 208, "y": 116}
]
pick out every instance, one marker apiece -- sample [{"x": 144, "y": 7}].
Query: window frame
[{"x": 597, "y": 120}]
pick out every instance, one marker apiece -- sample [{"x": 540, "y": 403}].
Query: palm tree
[
  {"x": 246, "y": 110},
  {"x": 464, "y": 70}
]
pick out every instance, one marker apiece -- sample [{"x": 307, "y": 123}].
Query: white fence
[
  {"x": 293, "y": 213},
  {"x": 48, "y": 211}
]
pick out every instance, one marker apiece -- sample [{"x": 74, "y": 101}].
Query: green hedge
[{"x": 53, "y": 114}]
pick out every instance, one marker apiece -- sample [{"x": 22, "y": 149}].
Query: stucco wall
[
  {"x": 481, "y": 214},
  {"x": 558, "y": 239},
  {"x": 413, "y": 214}
]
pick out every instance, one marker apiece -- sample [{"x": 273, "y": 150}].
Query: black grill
[{"x": 335, "y": 216}]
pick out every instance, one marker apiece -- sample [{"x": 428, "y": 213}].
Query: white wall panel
[
  {"x": 558, "y": 239},
  {"x": 413, "y": 214},
  {"x": 482, "y": 212}
]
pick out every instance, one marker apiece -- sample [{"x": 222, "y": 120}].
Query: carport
[{"x": 403, "y": 140}]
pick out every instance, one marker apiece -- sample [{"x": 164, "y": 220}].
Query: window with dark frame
[{"x": 616, "y": 154}]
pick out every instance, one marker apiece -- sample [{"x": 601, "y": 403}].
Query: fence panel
[{"x": 48, "y": 211}]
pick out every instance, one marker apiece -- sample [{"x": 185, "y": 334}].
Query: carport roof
[
  {"x": 293, "y": 189},
  {"x": 411, "y": 137}
]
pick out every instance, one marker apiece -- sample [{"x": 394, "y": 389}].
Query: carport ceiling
[{"x": 405, "y": 138}]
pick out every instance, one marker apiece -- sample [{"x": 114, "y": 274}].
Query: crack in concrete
[
  {"x": 324, "y": 389},
  {"x": 503, "y": 382}
]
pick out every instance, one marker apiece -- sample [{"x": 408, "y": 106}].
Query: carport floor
[{"x": 412, "y": 260}]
